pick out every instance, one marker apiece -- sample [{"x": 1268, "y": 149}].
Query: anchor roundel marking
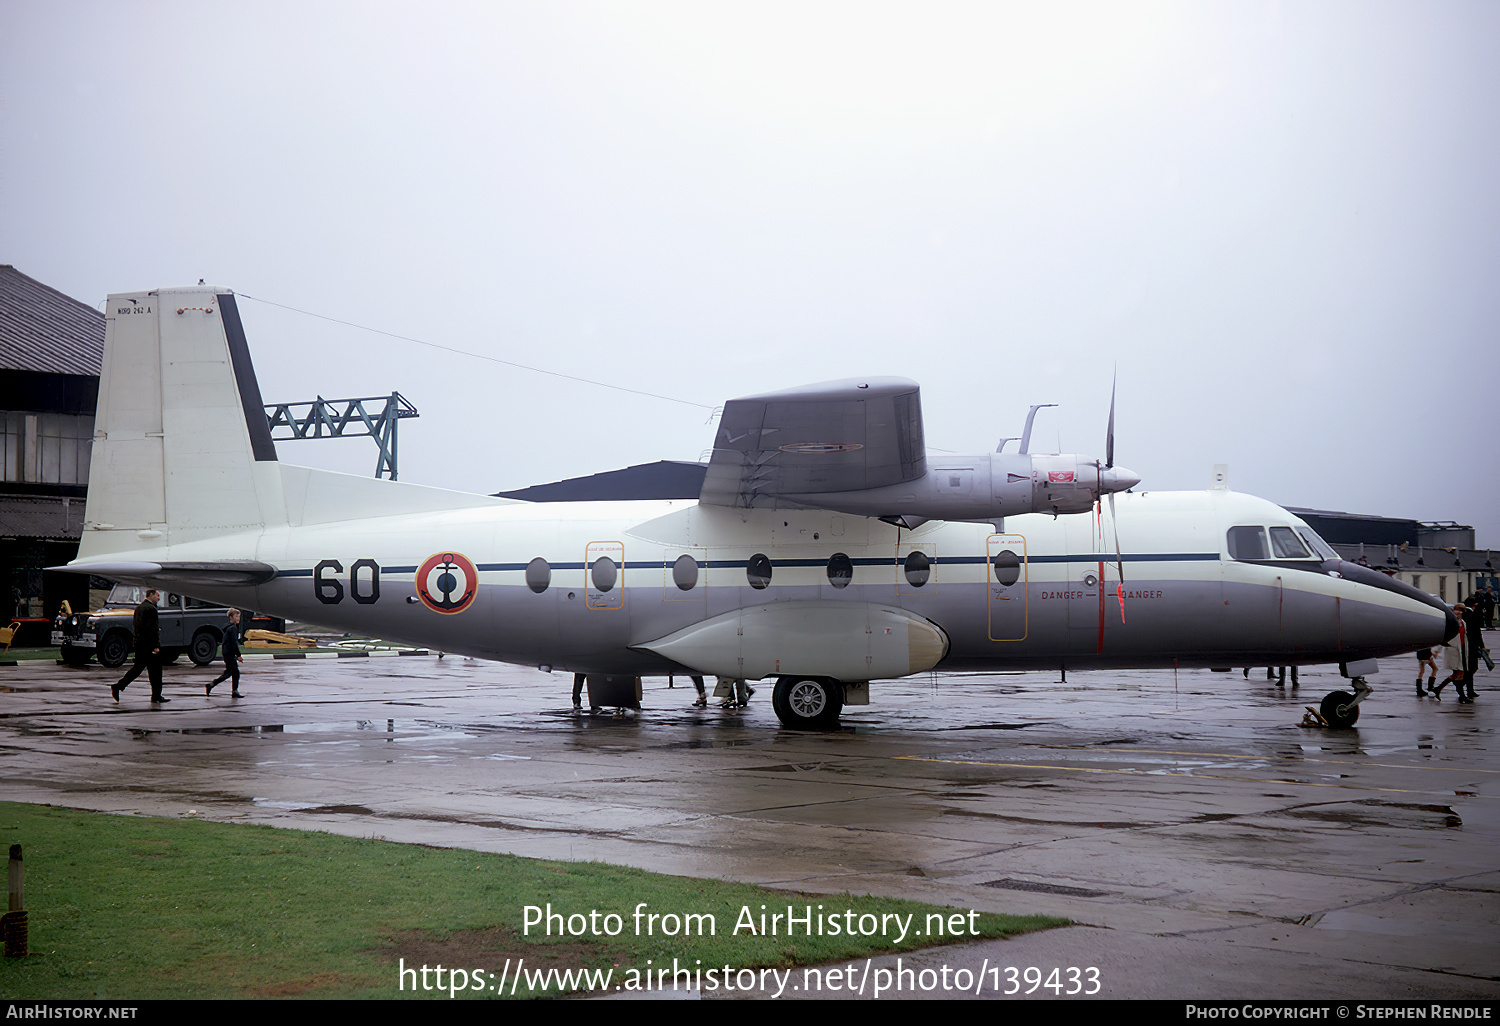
[{"x": 447, "y": 582}]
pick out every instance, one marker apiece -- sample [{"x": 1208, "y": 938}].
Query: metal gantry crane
[{"x": 345, "y": 418}]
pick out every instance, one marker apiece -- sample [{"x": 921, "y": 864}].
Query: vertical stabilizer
[{"x": 182, "y": 450}]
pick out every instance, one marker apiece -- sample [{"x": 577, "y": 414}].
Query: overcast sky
[{"x": 1280, "y": 221}]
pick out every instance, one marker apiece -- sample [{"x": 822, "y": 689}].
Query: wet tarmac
[{"x": 1207, "y": 844}]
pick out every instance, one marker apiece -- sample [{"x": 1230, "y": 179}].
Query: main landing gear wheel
[
  {"x": 807, "y": 703},
  {"x": 1339, "y": 710}
]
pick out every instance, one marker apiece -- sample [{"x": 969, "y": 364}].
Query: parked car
[{"x": 187, "y": 626}]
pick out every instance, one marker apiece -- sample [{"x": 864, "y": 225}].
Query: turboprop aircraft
[{"x": 826, "y": 549}]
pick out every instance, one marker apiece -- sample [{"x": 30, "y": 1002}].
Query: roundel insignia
[{"x": 447, "y": 582}]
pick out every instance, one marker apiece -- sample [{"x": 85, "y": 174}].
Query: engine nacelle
[{"x": 985, "y": 486}]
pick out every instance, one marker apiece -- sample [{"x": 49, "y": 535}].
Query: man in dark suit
[{"x": 147, "y": 649}]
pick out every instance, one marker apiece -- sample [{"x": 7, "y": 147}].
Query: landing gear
[
  {"x": 808, "y": 703},
  {"x": 1340, "y": 709}
]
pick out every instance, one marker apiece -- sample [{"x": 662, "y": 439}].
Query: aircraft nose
[{"x": 1117, "y": 479}]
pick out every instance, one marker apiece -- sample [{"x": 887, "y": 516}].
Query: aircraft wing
[{"x": 835, "y": 436}]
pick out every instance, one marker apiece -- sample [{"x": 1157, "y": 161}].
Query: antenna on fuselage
[{"x": 1026, "y": 434}]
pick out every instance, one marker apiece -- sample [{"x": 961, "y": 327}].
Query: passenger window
[
  {"x": 918, "y": 568},
  {"x": 840, "y": 570},
  {"x": 1007, "y": 568},
  {"x": 1248, "y": 543},
  {"x": 685, "y": 572},
  {"x": 604, "y": 573},
  {"x": 539, "y": 575},
  {"x": 758, "y": 571},
  {"x": 1286, "y": 544}
]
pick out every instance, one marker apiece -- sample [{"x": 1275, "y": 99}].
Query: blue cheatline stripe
[{"x": 734, "y": 564}]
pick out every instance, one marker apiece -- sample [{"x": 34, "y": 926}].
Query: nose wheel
[{"x": 1340, "y": 709}]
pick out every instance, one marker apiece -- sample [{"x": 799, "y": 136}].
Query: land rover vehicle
[{"x": 187, "y": 626}]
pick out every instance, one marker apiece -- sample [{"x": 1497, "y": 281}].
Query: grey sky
[{"x": 1282, "y": 222}]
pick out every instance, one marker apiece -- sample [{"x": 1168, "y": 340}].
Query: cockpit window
[
  {"x": 1248, "y": 543},
  {"x": 1286, "y": 544},
  {"x": 1316, "y": 543}
]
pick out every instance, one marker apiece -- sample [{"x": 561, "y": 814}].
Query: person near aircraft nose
[
  {"x": 1454, "y": 657},
  {"x": 702, "y": 700},
  {"x": 230, "y": 647},
  {"x": 1473, "y": 633},
  {"x": 147, "y": 630},
  {"x": 1424, "y": 658}
]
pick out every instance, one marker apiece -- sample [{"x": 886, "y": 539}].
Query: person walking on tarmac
[
  {"x": 230, "y": 646},
  {"x": 147, "y": 649},
  {"x": 1474, "y": 645},
  {"x": 1455, "y": 656}
]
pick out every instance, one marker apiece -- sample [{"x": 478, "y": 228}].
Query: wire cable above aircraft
[{"x": 480, "y": 356}]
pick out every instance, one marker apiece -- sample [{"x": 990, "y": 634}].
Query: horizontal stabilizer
[{"x": 229, "y": 571}]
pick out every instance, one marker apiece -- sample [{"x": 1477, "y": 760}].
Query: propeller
[{"x": 1109, "y": 463}]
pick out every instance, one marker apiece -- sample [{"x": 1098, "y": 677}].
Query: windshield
[
  {"x": 1317, "y": 544},
  {"x": 126, "y": 595},
  {"x": 1266, "y": 543}
]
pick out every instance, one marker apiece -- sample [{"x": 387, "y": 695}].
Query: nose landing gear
[{"x": 1340, "y": 709}]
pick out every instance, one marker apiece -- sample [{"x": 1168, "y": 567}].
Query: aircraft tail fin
[{"x": 182, "y": 449}]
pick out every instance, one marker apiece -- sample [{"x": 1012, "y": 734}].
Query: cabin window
[
  {"x": 685, "y": 572},
  {"x": 918, "y": 568},
  {"x": 758, "y": 571},
  {"x": 1248, "y": 543},
  {"x": 605, "y": 573},
  {"x": 538, "y": 575},
  {"x": 840, "y": 570},
  {"x": 1007, "y": 568},
  {"x": 1286, "y": 544}
]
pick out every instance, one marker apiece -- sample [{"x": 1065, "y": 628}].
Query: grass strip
[{"x": 125, "y": 907}]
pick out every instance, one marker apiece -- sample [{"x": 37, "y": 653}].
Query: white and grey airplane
[{"x": 826, "y": 549}]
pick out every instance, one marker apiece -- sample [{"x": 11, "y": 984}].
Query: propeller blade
[{"x": 1109, "y": 435}]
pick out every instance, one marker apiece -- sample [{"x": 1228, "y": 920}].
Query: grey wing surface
[{"x": 835, "y": 436}]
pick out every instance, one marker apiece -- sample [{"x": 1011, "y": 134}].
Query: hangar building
[{"x": 51, "y": 349}]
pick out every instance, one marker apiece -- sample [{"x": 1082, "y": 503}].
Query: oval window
[
  {"x": 918, "y": 568},
  {"x": 1007, "y": 568},
  {"x": 758, "y": 571},
  {"x": 685, "y": 572},
  {"x": 604, "y": 573},
  {"x": 538, "y": 575},
  {"x": 840, "y": 570}
]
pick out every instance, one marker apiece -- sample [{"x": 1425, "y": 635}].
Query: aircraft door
[
  {"x": 1007, "y": 585},
  {"x": 604, "y": 575}
]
